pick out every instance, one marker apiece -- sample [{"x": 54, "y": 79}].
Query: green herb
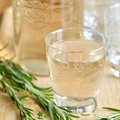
[
  {"x": 26, "y": 112},
  {"x": 85, "y": 114},
  {"x": 95, "y": 104},
  {"x": 113, "y": 116},
  {"x": 113, "y": 109},
  {"x": 103, "y": 118},
  {"x": 40, "y": 116},
  {"x": 4, "y": 47},
  {"x": 22, "y": 79},
  {"x": 93, "y": 109}
]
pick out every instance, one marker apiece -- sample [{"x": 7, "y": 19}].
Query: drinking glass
[
  {"x": 76, "y": 65},
  {"x": 94, "y": 13},
  {"x": 112, "y": 31},
  {"x": 33, "y": 21}
]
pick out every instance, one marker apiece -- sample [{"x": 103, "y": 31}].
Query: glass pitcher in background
[{"x": 34, "y": 20}]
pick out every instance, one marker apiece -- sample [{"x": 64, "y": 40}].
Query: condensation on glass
[{"x": 34, "y": 20}]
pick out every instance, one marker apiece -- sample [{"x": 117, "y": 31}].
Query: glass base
[
  {"x": 75, "y": 105},
  {"x": 35, "y": 66},
  {"x": 115, "y": 72}
]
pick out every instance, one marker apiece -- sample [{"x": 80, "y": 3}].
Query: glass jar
[{"x": 33, "y": 21}]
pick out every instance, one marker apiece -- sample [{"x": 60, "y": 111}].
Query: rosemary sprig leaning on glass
[{"x": 22, "y": 79}]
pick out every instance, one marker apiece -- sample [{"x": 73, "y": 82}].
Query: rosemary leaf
[
  {"x": 4, "y": 47},
  {"x": 85, "y": 114},
  {"x": 113, "y": 109},
  {"x": 95, "y": 104}
]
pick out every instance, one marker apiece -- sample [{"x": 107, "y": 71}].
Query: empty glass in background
[
  {"x": 76, "y": 64},
  {"x": 94, "y": 13},
  {"x": 112, "y": 31}
]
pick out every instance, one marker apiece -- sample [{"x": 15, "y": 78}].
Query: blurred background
[
  {"x": 3, "y": 5},
  {"x": 6, "y": 23},
  {"x": 93, "y": 18}
]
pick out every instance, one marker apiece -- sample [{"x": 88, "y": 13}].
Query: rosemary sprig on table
[
  {"x": 26, "y": 112},
  {"x": 22, "y": 79},
  {"x": 113, "y": 116}
]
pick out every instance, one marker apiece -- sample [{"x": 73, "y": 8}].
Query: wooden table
[{"x": 109, "y": 96}]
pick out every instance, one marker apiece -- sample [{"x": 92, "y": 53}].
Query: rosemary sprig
[
  {"x": 24, "y": 111},
  {"x": 113, "y": 116},
  {"x": 22, "y": 79}
]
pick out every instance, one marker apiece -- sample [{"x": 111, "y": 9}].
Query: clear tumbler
[
  {"x": 34, "y": 20},
  {"x": 112, "y": 31},
  {"x": 76, "y": 64}
]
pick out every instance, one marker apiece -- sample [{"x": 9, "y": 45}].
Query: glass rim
[
  {"x": 110, "y": 7},
  {"x": 59, "y": 30},
  {"x": 95, "y": 4}
]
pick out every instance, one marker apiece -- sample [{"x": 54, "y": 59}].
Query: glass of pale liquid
[{"x": 76, "y": 64}]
